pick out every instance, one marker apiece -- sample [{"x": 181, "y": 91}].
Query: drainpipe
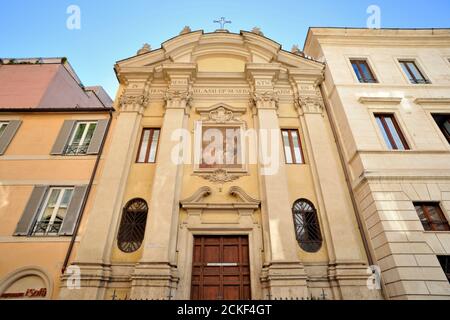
[{"x": 88, "y": 192}]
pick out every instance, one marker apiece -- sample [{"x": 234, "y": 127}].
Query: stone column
[
  {"x": 283, "y": 275},
  {"x": 156, "y": 275},
  {"x": 348, "y": 262},
  {"x": 93, "y": 254}
]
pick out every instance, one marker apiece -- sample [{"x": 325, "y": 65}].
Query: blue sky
[{"x": 115, "y": 29}]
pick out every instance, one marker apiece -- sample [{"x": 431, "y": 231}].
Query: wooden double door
[{"x": 221, "y": 268}]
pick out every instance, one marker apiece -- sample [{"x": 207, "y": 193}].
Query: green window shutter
[
  {"x": 97, "y": 138},
  {"x": 31, "y": 210},
  {"x": 73, "y": 211},
  {"x": 9, "y": 134},
  {"x": 63, "y": 137}
]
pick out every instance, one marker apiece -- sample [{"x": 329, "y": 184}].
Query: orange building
[{"x": 52, "y": 134}]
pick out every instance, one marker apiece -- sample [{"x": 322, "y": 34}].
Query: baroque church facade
[
  {"x": 215, "y": 231},
  {"x": 232, "y": 169}
]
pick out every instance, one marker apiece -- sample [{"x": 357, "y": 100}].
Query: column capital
[
  {"x": 309, "y": 104},
  {"x": 130, "y": 102}
]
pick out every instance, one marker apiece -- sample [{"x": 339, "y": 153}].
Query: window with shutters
[
  {"x": 292, "y": 146},
  {"x": 132, "y": 226},
  {"x": 221, "y": 147},
  {"x": 412, "y": 71},
  {"x": 307, "y": 227},
  {"x": 3, "y": 126},
  {"x": 391, "y": 132},
  {"x": 81, "y": 138},
  {"x": 148, "y": 147},
  {"x": 431, "y": 216},
  {"x": 363, "y": 71},
  {"x": 53, "y": 212}
]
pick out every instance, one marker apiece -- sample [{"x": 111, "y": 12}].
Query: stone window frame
[
  {"x": 369, "y": 67},
  {"x": 402, "y": 126},
  {"x": 373, "y": 68},
  {"x": 431, "y": 113},
  {"x": 149, "y": 146},
  {"x": 208, "y": 120},
  {"x": 441, "y": 212},
  {"x": 419, "y": 64}
]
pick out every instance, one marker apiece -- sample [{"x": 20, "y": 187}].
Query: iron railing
[
  {"x": 47, "y": 228},
  {"x": 76, "y": 149}
]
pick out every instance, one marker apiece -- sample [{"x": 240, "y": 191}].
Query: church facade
[
  {"x": 235, "y": 170},
  {"x": 279, "y": 226}
]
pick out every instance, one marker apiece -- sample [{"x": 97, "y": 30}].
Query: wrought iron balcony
[
  {"x": 45, "y": 228},
  {"x": 75, "y": 149}
]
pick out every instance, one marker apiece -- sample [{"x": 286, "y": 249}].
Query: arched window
[
  {"x": 307, "y": 228},
  {"x": 132, "y": 226}
]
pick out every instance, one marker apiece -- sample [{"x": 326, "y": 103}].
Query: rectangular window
[
  {"x": 443, "y": 122},
  {"x": 363, "y": 71},
  {"x": 81, "y": 138},
  {"x": 3, "y": 126},
  {"x": 53, "y": 212},
  {"x": 391, "y": 132},
  {"x": 431, "y": 216},
  {"x": 221, "y": 148},
  {"x": 412, "y": 72},
  {"x": 148, "y": 146},
  {"x": 292, "y": 146},
  {"x": 445, "y": 263}
]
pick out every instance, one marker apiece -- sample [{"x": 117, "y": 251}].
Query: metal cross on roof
[{"x": 222, "y": 22}]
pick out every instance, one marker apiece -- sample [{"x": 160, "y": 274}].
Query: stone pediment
[
  {"x": 221, "y": 113},
  {"x": 198, "y": 200},
  {"x": 187, "y": 48}
]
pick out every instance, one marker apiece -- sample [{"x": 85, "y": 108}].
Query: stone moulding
[
  {"x": 196, "y": 201},
  {"x": 445, "y": 101},
  {"x": 380, "y": 100}
]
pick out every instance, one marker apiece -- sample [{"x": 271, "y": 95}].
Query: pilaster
[
  {"x": 93, "y": 254},
  {"x": 156, "y": 275},
  {"x": 283, "y": 275}
]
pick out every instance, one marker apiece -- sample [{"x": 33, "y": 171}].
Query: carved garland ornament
[
  {"x": 221, "y": 115},
  {"x": 220, "y": 176}
]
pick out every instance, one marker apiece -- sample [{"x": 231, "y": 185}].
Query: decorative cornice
[
  {"x": 380, "y": 100},
  {"x": 196, "y": 201},
  {"x": 201, "y": 193},
  {"x": 221, "y": 113},
  {"x": 445, "y": 101},
  {"x": 242, "y": 195}
]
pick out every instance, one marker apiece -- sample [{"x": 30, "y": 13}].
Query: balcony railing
[
  {"x": 75, "y": 149},
  {"x": 45, "y": 228}
]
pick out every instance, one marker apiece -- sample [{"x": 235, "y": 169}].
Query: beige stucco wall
[{"x": 386, "y": 183}]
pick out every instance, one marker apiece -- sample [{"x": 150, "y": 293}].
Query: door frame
[
  {"x": 236, "y": 219},
  {"x": 221, "y": 235},
  {"x": 186, "y": 256}
]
